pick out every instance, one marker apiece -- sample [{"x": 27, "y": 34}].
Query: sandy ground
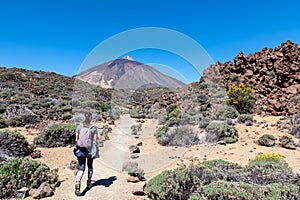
[{"x": 110, "y": 182}]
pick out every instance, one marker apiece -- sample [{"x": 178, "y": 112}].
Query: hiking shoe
[
  {"x": 89, "y": 183},
  {"x": 77, "y": 188}
]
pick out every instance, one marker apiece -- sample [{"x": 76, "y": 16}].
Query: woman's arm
[
  {"x": 76, "y": 138},
  {"x": 77, "y": 134}
]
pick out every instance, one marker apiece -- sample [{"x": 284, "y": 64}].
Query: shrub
[
  {"x": 13, "y": 144},
  {"x": 24, "y": 172},
  {"x": 134, "y": 113},
  {"x": 234, "y": 77},
  {"x": 267, "y": 140},
  {"x": 218, "y": 130},
  {"x": 156, "y": 187},
  {"x": 241, "y": 97},
  {"x": 56, "y": 135},
  {"x": 269, "y": 168},
  {"x": 266, "y": 158},
  {"x": 21, "y": 120},
  {"x": 161, "y": 131},
  {"x": 226, "y": 112},
  {"x": 285, "y": 141},
  {"x": 2, "y": 122},
  {"x": 296, "y": 131},
  {"x": 67, "y": 108},
  {"x": 179, "y": 136},
  {"x": 114, "y": 113},
  {"x": 218, "y": 179},
  {"x": 66, "y": 116},
  {"x": 204, "y": 123},
  {"x": 228, "y": 190},
  {"x": 202, "y": 98},
  {"x": 245, "y": 117},
  {"x": 136, "y": 128},
  {"x": 295, "y": 119},
  {"x": 105, "y": 107},
  {"x": 133, "y": 169}
]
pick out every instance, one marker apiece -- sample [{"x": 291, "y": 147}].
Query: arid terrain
[
  {"x": 237, "y": 111},
  {"x": 111, "y": 183}
]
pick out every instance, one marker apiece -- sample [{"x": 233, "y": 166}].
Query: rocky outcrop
[{"x": 273, "y": 73}]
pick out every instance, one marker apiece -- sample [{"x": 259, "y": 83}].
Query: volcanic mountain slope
[
  {"x": 126, "y": 73},
  {"x": 273, "y": 73},
  {"x": 42, "y": 95}
]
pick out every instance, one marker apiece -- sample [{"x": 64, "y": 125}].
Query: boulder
[
  {"x": 134, "y": 156},
  {"x": 138, "y": 189},
  {"x": 134, "y": 149},
  {"x": 22, "y": 193},
  {"x": 43, "y": 191},
  {"x": 132, "y": 179},
  {"x": 36, "y": 154},
  {"x": 293, "y": 89}
]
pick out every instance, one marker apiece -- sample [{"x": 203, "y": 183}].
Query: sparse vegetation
[
  {"x": 265, "y": 177},
  {"x": 23, "y": 172}
]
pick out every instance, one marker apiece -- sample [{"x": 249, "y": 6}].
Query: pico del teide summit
[{"x": 127, "y": 73}]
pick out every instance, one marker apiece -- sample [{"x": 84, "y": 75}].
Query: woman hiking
[{"x": 86, "y": 150}]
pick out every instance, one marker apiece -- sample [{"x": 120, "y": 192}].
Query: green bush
[
  {"x": 134, "y": 113},
  {"x": 24, "y": 172},
  {"x": 179, "y": 136},
  {"x": 242, "y": 98},
  {"x": 67, "y": 108},
  {"x": 161, "y": 131},
  {"x": 227, "y": 112},
  {"x": 13, "y": 144},
  {"x": 105, "y": 107},
  {"x": 2, "y": 122},
  {"x": 218, "y": 179},
  {"x": 66, "y": 116},
  {"x": 267, "y": 140},
  {"x": 134, "y": 170},
  {"x": 267, "y": 159},
  {"x": 245, "y": 117},
  {"x": 296, "y": 130},
  {"x": 21, "y": 120},
  {"x": 56, "y": 135},
  {"x": 218, "y": 130},
  {"x": 234, "y": 77}
]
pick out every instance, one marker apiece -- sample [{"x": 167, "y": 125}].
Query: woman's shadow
[{"x": 101, "y": 182}]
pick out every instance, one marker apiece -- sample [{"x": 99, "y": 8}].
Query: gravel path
[{"x": 109, "y": 182}]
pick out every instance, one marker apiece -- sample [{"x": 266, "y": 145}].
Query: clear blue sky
[{"x": 53, "y": 35}]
